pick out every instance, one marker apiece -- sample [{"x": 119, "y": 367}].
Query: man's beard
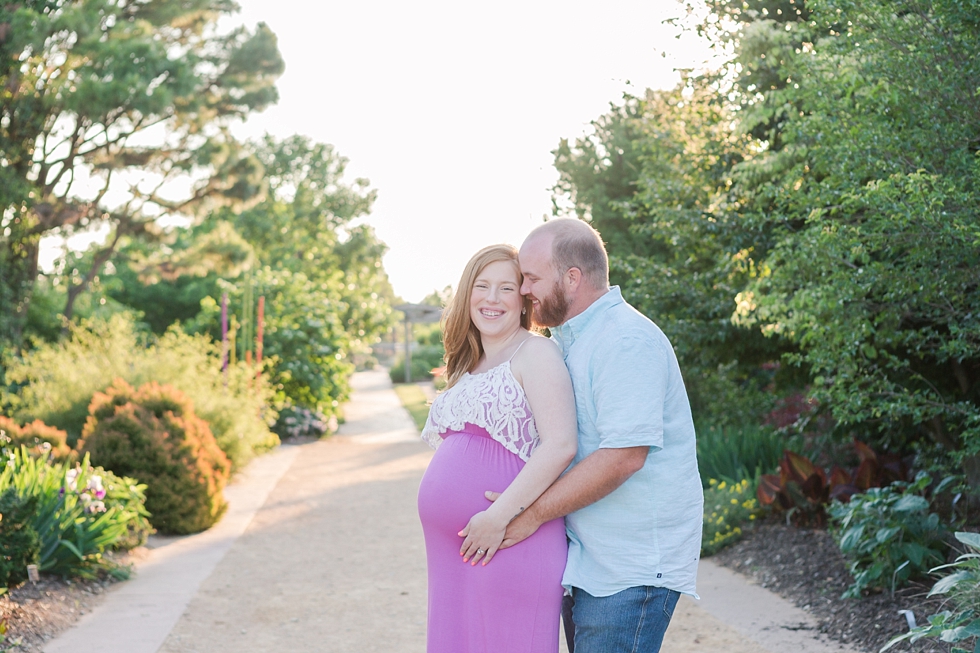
[{"x": 551, "y": 310}]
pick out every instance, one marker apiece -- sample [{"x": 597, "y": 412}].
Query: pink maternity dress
[{"x": 483, "y": 432}]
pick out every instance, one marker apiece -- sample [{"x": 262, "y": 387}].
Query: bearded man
[{"x": 632, "y": 498}]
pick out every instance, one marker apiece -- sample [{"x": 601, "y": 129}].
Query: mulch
[
  {"x": 36, "y": 613},
  {"x": 805, "y": 567}
]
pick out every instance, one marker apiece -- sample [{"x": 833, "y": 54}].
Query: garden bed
[
  {"x": 806, "y": 567},
  {"x": 36, "y": 613}
]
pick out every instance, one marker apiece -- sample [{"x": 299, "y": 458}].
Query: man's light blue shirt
[{"x": 628, "y": 393}]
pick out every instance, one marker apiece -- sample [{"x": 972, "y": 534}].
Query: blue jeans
[{"x": 631, "y": 621}]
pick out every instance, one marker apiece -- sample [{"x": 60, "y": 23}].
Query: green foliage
[
  {"x": 327, "y": 295},
  {"x": 726, "y": 507},
  {"x": 103, "y": 90},
  {"x": 888, "y": 535},
  {"x": 80, "y": 512},
  {"x": 37, "y": 436},
  {"x": 304, "y": 225},
  {"x": 962, "y": 587},
  {"x": 821, "y": 191},
  {"x": 737, "y": 454},
  {"x": 56, "y": 382},
  {"x": 153, "y": 434},
  {"x": 804, "y": 489},
  {"x": 647, "y": 178},
  {"x": 425, "y": 358},
  {"x": 19, "y": 543},
  {"x": 872, "y": 204}
]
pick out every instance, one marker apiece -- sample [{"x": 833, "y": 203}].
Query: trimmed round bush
[
  {"x": 37, "y": 436},
  {"x": 152, "y": 434}
]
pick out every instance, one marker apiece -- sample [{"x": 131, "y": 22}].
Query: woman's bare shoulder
[
  {"x": 539, "y": 345},
  {"x": 537, "y": 350}
]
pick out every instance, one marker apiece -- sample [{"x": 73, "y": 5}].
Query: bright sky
[{"x": 452, "y": 108}]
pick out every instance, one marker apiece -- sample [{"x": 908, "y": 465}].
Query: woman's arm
[{"x": 539, "y": 368}]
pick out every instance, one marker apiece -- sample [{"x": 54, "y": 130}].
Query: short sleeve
[{"x": 630, "y": 388}]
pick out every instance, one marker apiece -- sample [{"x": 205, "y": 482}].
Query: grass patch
[{"x": 414, "y": 400}]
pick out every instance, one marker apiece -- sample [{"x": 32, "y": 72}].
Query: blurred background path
[{"x": 321, "y": 550}]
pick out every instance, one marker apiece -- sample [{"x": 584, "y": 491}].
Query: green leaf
[
  {"x": 970, "y": 539},
  {"x": 947, "y": 583},
  {"x": 852, "y": 537},
  {"x": 886, "y": 534},
  {"x": 917, "y": 553},
  {"x": 911, "y": 503}
]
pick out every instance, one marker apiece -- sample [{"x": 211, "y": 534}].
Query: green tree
[
  {"x": 875, "y": 225},
  {"x": 103, "y": 103},
  {"x": 327, "y": 295},
  {"x": 649, "y": 178},
  {"x": 307, "y": 224}
]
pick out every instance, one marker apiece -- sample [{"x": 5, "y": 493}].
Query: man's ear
[{"x": 573, "y": 279}]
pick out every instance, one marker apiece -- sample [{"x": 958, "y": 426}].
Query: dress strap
[{"x": 519, "y": 348}]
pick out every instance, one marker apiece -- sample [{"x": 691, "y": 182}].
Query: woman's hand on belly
[{"x": 482, "y": 537}]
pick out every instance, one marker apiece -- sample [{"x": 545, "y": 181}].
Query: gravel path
[{"x": 322, "y": 551}]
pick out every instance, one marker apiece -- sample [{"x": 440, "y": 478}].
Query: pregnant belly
[{"x": 464, "y": 467}]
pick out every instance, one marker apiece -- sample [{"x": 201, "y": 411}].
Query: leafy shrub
[
  {"x": 962, "y": 624},
  {"x": 306, "y": 342},
  {"x": 736, "y": 454},
  {"x": 36, "y": 436},
  {"x": 888, "y": 534},
  {"x": 804, "y": 489},
  {"x": 801, "y": 488},
  {"x": 726, "y": 507},
  {"x": 153, "y": 434},
  {"x": 424, "y": 359},
  {"x": 296, "y": 421},
  {"x": 19, "y": 543},
  {"x": 81, "y": 512},
  {"x": 873, "y": 470},
  {"x": 56, "y": 382}
]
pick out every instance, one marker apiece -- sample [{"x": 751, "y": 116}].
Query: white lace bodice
[{"x": 492, "y": 400}]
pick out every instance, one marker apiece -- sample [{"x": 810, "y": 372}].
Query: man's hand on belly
[{"x": 523, "y": 526}]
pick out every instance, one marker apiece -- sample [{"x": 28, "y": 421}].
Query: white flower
[{"x": 95, "y": 506}]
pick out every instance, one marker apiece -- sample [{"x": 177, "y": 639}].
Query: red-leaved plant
[{"x": 804, "y": 489}]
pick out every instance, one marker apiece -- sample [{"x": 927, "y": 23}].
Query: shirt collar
[{"x": 566, "y": 334}]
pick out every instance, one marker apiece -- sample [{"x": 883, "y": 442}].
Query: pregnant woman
[{"x": 505, "y": 422}]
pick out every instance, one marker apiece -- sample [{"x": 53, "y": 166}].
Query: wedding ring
[{"x": 480, "y": 552}]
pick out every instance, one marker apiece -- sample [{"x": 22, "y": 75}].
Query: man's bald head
[{"x": 574, "y": 244}]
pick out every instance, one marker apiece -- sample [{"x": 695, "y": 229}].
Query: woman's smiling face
[{"x": 495, "y": 299}]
